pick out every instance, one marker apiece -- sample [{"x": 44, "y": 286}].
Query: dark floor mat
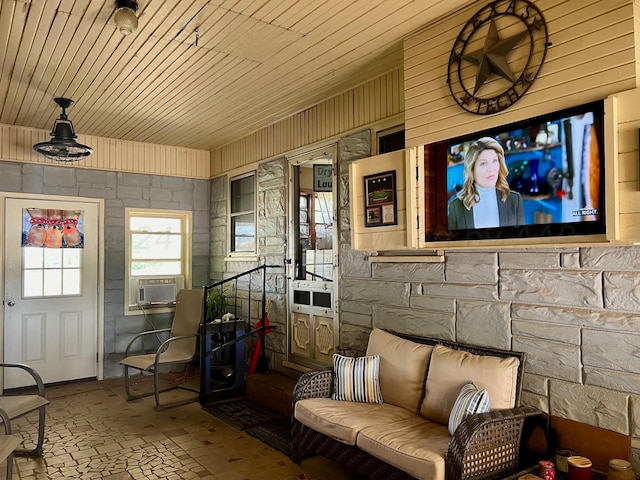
[
  {"x": 276, "y": 434},
  {"x": 241, "y": 414},
  {"x": 267, "y": 426}
]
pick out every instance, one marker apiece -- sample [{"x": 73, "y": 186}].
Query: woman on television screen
[{"x": 485, "y": 199}]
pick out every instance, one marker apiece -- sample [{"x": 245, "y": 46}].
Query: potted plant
[{"x": 216, "y": 304}]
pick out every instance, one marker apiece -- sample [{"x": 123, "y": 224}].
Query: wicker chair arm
[
  {"x": 487, "y": 444},
  {"x": 314, "y": 384}
]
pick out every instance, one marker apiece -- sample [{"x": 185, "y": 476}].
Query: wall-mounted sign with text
[{"x": 322, "y": 178}]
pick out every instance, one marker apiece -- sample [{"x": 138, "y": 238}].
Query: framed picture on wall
[
  {"x": 380, "y": 203},
  {"x": 374, "y": 216}
]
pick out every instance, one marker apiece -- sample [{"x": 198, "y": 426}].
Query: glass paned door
[
  {"x": 312, "y": 316},
  {"x": 51, "y": 291}
]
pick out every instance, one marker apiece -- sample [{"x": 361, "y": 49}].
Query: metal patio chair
[
  {"x": 179, "y": 348},
  {"x": 16, "y": 405}
]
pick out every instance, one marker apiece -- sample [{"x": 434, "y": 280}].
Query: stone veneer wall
[
  {"x": 218, "y": 228},
  {"x": 121, "y": 190},
  {"x": 272, "y": 227},
  {"x": 574, "y": 311}
]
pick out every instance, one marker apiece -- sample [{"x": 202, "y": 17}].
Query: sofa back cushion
[
  {"x": 403, "y": 368},
  {"x": 450, "y": 369}
]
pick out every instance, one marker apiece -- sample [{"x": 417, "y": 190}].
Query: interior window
[
  {"x": 158, "y": 256},
  {"x": 242, "y": 219},
  {"x": 391, "y": 140}
]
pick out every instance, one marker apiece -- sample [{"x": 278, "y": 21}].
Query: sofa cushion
[
  {"x": 470, "y": 400},
  {"x": 356, "y": 379},
  {"x": 416, "y": 446},
  {"x": 450, "y": 369},
  {"x": 343, "y": 420},
  {"x": 403, "y": 368}
]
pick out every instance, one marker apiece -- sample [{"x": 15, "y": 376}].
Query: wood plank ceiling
[{"x": 254, "y": 62}]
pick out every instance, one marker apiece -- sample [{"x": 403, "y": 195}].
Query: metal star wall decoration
[{"x": 492, "y": 60}]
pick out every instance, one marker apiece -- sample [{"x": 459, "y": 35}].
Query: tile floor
[{"x": 92, "y": 432}]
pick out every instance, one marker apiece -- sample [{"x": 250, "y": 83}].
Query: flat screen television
[{"x": 554, "y": 179}]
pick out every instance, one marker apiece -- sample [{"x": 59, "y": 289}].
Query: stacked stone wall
[
  {"x": 271, "y": 222},
  {"x": 574, "y": 311}
]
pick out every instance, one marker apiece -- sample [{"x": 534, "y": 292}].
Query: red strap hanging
[{"x": 253, "y": 366}]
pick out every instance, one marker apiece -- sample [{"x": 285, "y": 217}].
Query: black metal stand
[{"x": 222, "y": 371}]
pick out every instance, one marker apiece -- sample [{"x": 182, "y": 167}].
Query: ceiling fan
[{"x": 63, "y": 146}]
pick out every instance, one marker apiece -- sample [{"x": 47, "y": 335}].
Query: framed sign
[
  {"x": 322, "y": 178},
  {"x": 380, "y": 205}
]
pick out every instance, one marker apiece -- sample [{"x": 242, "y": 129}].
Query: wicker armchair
[{"x": 484, "y": 446}]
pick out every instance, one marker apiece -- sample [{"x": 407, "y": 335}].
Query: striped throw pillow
[
  {"x": 356, "y": 379},
  {"x": 470, "y": 400}
]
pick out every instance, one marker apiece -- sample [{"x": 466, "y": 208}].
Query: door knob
[{"x": 11, "y": 303}]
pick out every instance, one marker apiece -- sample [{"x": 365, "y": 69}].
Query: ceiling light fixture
[
  {"x": 63, "y": 146},
  {"x": 125, "y": 16}
]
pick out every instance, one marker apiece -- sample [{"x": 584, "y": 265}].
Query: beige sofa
[{"x": 407, "y": 435}]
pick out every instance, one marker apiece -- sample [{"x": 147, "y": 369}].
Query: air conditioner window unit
[{"x": 157, "y": 290}]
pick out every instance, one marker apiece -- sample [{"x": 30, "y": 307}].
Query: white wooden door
[
  {"x": 312, "y": 271},
  {"x": 51, "y": 289}
]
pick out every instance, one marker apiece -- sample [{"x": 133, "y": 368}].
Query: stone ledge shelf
[{"x": 406, "y": 256}]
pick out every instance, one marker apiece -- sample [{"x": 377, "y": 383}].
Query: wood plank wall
[
  {"x": 628, "y": 133},
  {"x": 592, "y": 56},
  {"x": 378, "y": 99},
  {"x": 16, "y": 144},
  {"x": 389, "y": 237}
]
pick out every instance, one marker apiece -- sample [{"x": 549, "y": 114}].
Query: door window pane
[
  {"x": 53, "y": 282},
  {"x": 50, "y": 272},
  {"x": 302, "y": 297},
  {"x": 32, "y": 257},
  {"x": 52, "y": 257},
  {"x": 71, "y": 281},
  {"x": 71, "y": 258},
  {"x": 32, "y": 286},
  {"x": 322, "y": 299},
  {"x": 314, "y": 244}
]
